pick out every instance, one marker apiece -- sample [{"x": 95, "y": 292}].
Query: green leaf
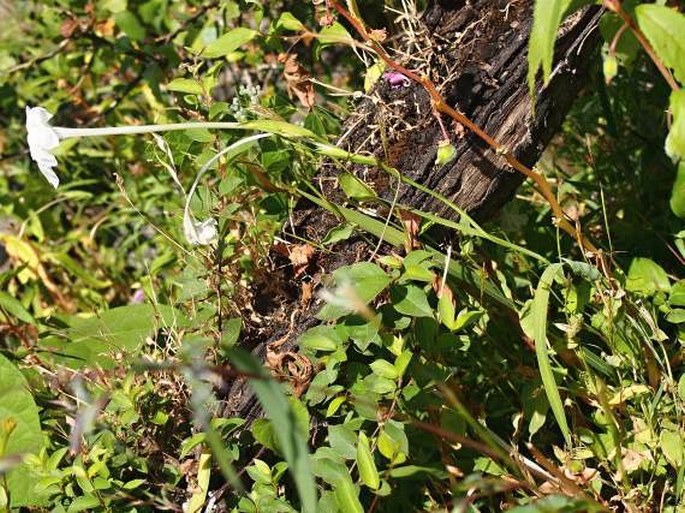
[
  {"x": 288, "y": 21},
  {"x": 367, "y": 281},
  {"x": 546, "y": 19},
  {"x": 291, "y": 438},
  {"x": 185, "y": 85},
  {"x": 338, "y": 233},
  {"x": 354, "y": 188},
  {"x": 13, "y": 307},
  {"x": 83, "y": 503},
  {"x": 447, "y": 311},
  {"x": 677, "y": 201},
  {"x": 410, "y": 300},
  {"x": 18, "y": 408},
  {"x": 229, "y": 42},
  {"x": 646, "y": 277},
  {"x": 539, "y": 320},
  {"x": 384, "y": 369},
  {"x": 96, "y": 340},
  {"x": 320, "y": 338},
  {"x": 347, "y": 496},
  {"x": 677, "y": 295},
  {"x": 664, "y": 28},
  {"x": 230, "y": 332},
  {"x": 130, "y": 25},
  {"x": 675, "y": 142},
  {"x": 367, "y": 466},
  {"x": 671, "y": 443},
  {"x": 393, "y": 443}
]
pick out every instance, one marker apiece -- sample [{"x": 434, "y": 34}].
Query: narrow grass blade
[{"x": 539, "y": 317}]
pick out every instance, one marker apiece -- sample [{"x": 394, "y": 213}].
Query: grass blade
[{"x": 539, "y": 318}]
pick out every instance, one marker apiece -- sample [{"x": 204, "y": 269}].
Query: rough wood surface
[{"x": 476, "y": 52}]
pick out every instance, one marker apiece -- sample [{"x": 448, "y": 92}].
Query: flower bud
[{"x": 446, "y": 153}]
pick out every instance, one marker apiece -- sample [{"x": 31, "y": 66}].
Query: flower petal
[
  {"x": 42, "y": 138},
  {"x": 199, "y": 232}
]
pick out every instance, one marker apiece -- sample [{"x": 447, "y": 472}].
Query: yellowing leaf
[{"x": 367, "y": 467}]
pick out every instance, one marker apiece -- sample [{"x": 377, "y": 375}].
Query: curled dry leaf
[
  {"x": 298, "y": 254},
  {"x": 378, "y": 35},
  {"x": 297, "y": 80},
  {"x": 411, "y": 224},
  {"x": 292, "y": 367}
]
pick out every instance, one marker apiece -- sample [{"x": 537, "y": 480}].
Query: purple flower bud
[
  {"x": 396, "y": 79},
  {"x": 137, "y": 297}
]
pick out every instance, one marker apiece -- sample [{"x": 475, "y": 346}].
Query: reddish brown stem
[{"x": 615, "y": 6}]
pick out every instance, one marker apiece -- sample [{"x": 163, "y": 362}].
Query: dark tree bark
[{"x": 476, "y": 52}]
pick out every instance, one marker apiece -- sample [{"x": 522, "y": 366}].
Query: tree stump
[{"x": 476, "y": 54}]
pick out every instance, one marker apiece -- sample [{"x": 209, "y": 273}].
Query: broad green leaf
[
  {"x": 671, "y": 443},
  {"x": 229, "y": 42},
  {"x": 393, "y": 443},
  {"x": 84, "y": 503},
  {"x": 546, "y": 19},
  {"x": 96, "y": 340},
  {"x": 646, "y": 277},
  {"x": 185, "y": 85},
  {"x": 130, "y": 25},
  {"x": 291, "y": 437},
  {"x": 328, "y": 466},
  {"x": 288, "y": 21},
  {"x": 367, "y": 466},
  {"x": 675, "y": 142},
  {"x": 320, "y": 338},
  {"x": 384, "y": 369},
  {"x": 539, "y": 324},
  {"x": 230, "y": 332},
  {"x": 677, "y": 295},
  {"x": 664, "y": 28},
  {"x": 466, "y": 318},
  {"x": 334, "y": 34},
  {"x": 338, "y": 233},
  {"x": 410, "y": 300},
  {"x": 342, "y": 440},
  {"x": 18, "y": 409},
  {"x": 347, "y": 496},
  {"x": 366, "y": 281}
]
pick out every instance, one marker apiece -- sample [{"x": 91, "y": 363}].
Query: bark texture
[{"x": 476, "y": 53}]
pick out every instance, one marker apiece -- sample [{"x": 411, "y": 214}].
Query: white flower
[
  {"x": 199, "y": 232},
  {"x": 42, "y": 139}
]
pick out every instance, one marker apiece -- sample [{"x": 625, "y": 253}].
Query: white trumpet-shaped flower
[{"x": 42, "y": 140}]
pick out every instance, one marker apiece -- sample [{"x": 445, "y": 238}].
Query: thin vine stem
[
  {"x": 616, "y": 7},
  {"x": 440, "y": 106}
]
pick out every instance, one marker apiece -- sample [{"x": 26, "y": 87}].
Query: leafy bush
[{"x": 514, "y": 368}]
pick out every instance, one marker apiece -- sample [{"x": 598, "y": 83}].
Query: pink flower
[{"x": 396, "y": 79}]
